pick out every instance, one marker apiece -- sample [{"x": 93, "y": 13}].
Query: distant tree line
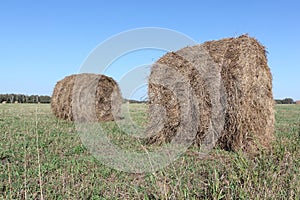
[
  {"x": 285, "y": 101},
  {"x": 134, "y": 101},
  {"x": 21, "y": 98}
]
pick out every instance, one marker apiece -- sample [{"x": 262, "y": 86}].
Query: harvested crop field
[{"x": 42, "y": 157}]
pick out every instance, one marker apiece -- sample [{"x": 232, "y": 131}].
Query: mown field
[{"x": 43, "y": 158}]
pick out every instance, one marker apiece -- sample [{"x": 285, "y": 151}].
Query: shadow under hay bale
[
  {"x": 86, "y": 97},
  {"x": 242, "y": 66}
]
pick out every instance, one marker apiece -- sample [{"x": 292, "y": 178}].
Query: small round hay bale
[
  {"x": 86, "y": 97},
  {"x": 246, "y": 77}
]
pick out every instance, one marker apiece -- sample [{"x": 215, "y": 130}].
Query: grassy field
[{"x": 43, "y": 158}]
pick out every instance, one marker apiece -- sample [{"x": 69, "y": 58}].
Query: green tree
[{"x": 288, "y": 101}]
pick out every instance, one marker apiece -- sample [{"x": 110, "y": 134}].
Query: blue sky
[{"x": 41, "y": 42}]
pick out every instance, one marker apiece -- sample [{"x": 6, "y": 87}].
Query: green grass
[{"x": 42, "y": 157}]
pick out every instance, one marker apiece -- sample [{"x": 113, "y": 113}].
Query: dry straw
[
  {"x": 246, "y": 77},
  {"x": 86, "y": 97}
]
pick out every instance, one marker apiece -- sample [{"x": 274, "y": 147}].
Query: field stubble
[{"x": 43, "y": 157}]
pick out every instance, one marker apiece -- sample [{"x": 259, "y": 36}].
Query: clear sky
[{"x": 43, "y": 41}]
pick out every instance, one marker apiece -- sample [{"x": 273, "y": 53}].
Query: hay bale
[
  {"x": 242, "y": 65},
  {"x": 86, "y": 97},
  {"x": 298, "y": 102}
]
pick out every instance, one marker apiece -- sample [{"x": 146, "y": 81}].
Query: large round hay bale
[
  {"x": 242, "y": 65},
  {"x": 86, "y": 97}
]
